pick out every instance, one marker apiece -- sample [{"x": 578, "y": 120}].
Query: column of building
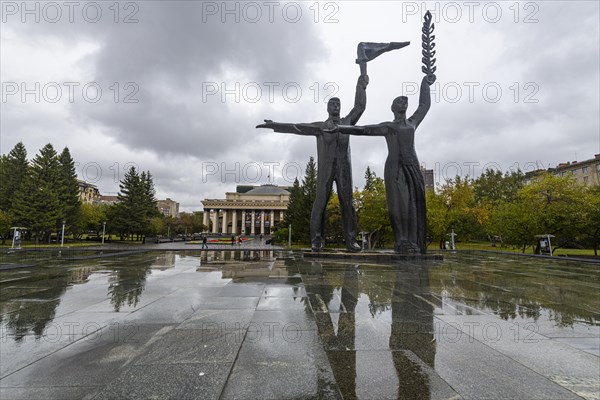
[
  {"x": 243, "y": 231},
  {"x": 234, "y": 222},
  {"x": 215, "y": 218},
  {"x": 224, "y": 227}
]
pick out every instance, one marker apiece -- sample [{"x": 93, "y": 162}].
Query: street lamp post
[
  {"x": 103, "y": 231},
  {"x": 363, "y": 238},
  {"x": 62, "y": 236},
  {"x": 14, "y": 239},
  {"x": 290, "y": 235},
  {"x": 549, "y": 244},
  {"x": 452, "y": 242}
]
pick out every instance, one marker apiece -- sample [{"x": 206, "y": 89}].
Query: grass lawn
[
  {"x": 69, "y": 244},
  {"x": 510, "y": 249},
  {"x": 54, "y": 245},
  {"x": 478, "y": 246}
]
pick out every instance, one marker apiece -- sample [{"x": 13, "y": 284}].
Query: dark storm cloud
[
  {"x": 172, "y": 61},
  {"x": 177, "y": 60}
]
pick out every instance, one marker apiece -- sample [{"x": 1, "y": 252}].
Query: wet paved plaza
[{"x": 270, "y": 325}]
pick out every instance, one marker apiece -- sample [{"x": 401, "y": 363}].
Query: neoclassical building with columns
[{"x": 255, "y": 212}]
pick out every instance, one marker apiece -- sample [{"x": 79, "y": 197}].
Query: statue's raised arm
[
  {"x": 360, "y": 100},
  {"x": 428, "y": 68},
  {"x": 424, "y": 100},
  {"x": 311, "y": 129}
]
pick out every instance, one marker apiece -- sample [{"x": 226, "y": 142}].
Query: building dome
[{"x": 268, "y": 189}]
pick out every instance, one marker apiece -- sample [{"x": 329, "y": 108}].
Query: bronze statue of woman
[{"x": 404, "y": 183}]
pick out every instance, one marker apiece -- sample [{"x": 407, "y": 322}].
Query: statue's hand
[
  {"x": 268, "y": 124},
  {"x": 363, "y": 81},
  {"x": 431, "y": 79}
]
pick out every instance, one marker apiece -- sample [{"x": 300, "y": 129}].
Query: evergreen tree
[
  {"x": 309, "y": 194},
  {"x": 4, "y": 176},
  {"x": 68, "y": 188},
  {"x": 36, "y": 203},
  {"x": 149, "y": 195},
  {"x": 295, "y": 214},
  {"x": 13, "y": 169},
  {"x": 136, "y": 205},
  {"x": 5, "y": 224},
  {"x": 128, "y": 215},
  {"x": 370, "y": 178},
  {"x": 309, "y": 183}
]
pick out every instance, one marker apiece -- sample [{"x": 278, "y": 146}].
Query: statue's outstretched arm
[
  {"x": 297, "y": 129},
  {"x": 360, "y": 100},
  {"x": 424, "y": 100},
  {"x": 366, "y": 130}
]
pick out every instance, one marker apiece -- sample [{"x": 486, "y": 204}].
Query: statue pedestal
[{"x": 369, "y": 256}]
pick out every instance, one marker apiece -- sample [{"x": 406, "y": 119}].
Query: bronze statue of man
[
  {"x": 333, "y": 163},
  {"x": 404, "y": 184}
]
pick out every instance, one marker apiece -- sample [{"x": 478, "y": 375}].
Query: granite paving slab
[
  {"x": 282, "y": 367},
  {"x": 186, "y": 346},
  {"x": 98, "y": 358},
  {"x": 167, "y": 381}
]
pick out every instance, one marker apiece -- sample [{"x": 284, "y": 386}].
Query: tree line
[
  {"x": 500, "y": 208},
  {"x": 40, "y": 194},
  {"x": 504, "y": 208}
]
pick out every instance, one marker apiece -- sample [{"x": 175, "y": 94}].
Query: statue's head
[
  {"x": 400, "y": 105},
  {"x": 334, "y": 106}
]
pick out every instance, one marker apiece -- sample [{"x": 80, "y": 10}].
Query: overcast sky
[{"x": 178, "y": 87}]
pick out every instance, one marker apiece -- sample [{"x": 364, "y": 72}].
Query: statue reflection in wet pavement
[
  {"x": 412, "y": 329},
  {"x": 401, "y": 328}
]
